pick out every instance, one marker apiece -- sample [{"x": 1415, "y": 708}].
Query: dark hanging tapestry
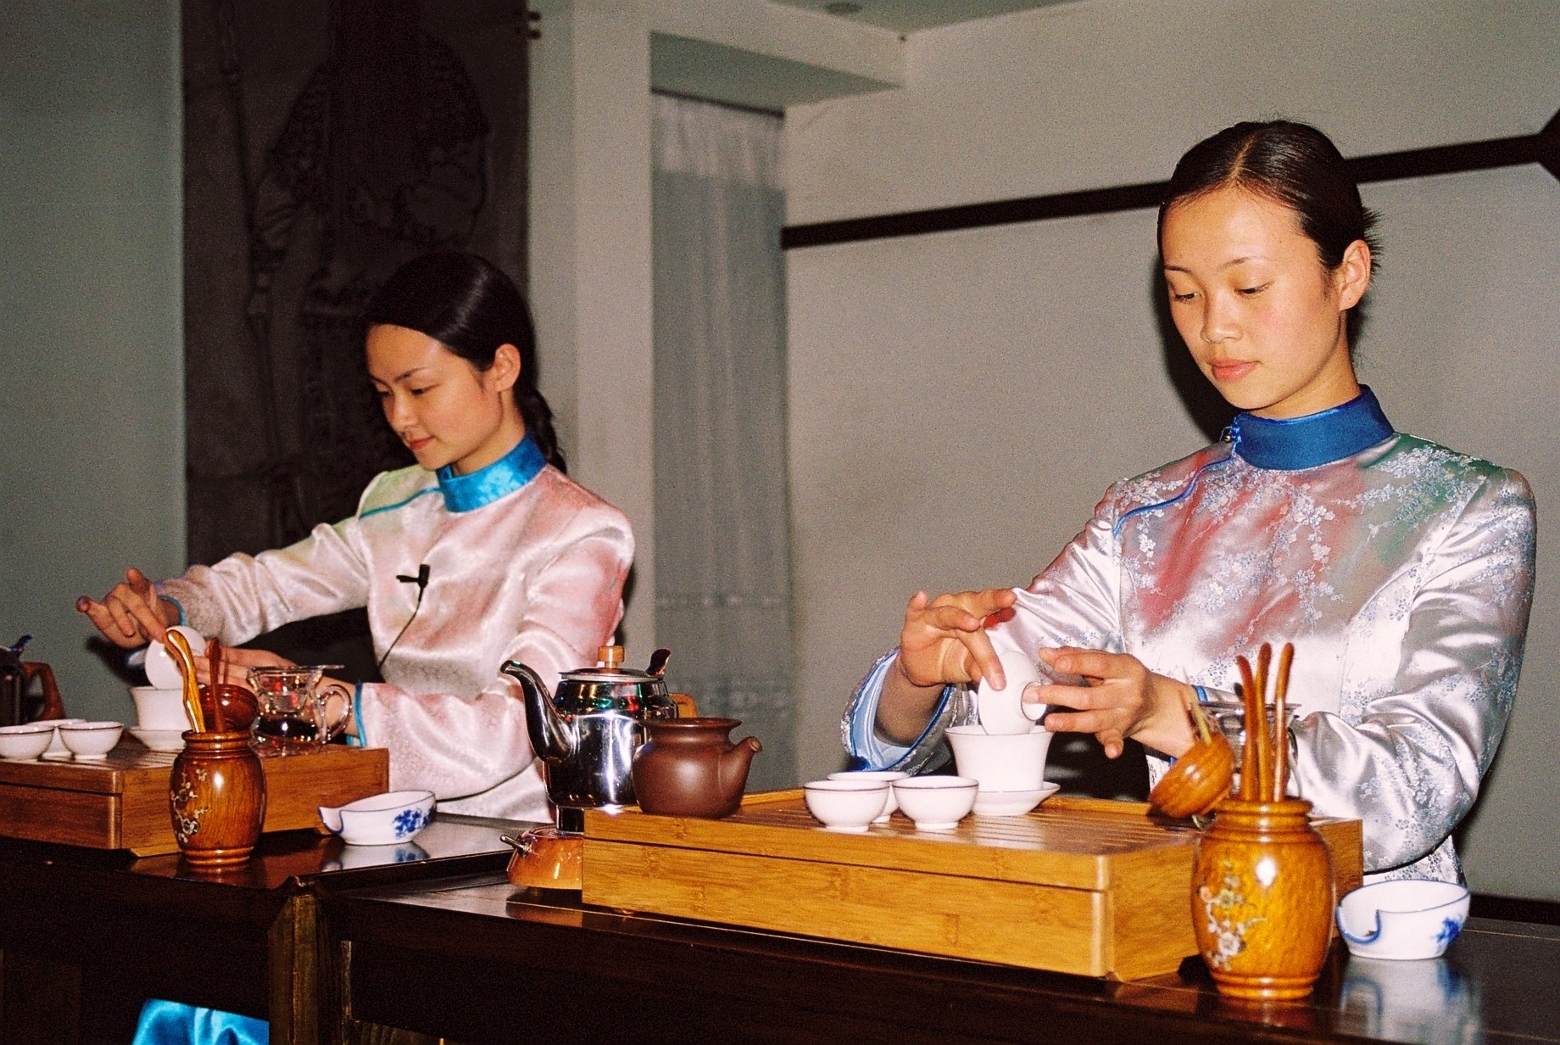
[{"x": 325, "y": 144}]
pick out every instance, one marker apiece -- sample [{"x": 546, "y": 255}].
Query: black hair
[
  {"x": 1292, "y": 164},
  {"x": 468, "y": 305}
]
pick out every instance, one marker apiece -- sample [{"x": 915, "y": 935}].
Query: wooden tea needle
[
  {"x": 1265, "y": 749},
  {"x": 1286, "y": 658},
  {"x": 1248, "y": 753}
]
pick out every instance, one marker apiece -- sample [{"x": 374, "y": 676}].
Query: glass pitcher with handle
[{"x": 292, "y": 717}]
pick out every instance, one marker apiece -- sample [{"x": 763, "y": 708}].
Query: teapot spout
[
  {"x": 735, "y": 762},
  {"x": 552, "y": 736}
]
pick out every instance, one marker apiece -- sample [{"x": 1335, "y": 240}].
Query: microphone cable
[{"x": 421, "y": 580}]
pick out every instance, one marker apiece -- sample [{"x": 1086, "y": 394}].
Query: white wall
[
  {"x": 92, "y": 370},
  {"x": 590, "y": 282},
  {"x": 960, "y": 401},
  {"x": 590, "y": 262}
]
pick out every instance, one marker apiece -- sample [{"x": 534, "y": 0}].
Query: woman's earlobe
[
  {"x": 1354, "y": 273},
  {"x": 506, "y": 367}
]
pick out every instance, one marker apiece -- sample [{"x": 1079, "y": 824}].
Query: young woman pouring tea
[
  {"x": 482, "y": 552},
  {"x": 1402, "y": 571}
]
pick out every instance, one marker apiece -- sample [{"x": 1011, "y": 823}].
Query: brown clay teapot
[{"x": 689, "y": 767}]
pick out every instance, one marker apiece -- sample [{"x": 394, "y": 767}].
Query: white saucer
[
  {"x": 159, "y": 739},
  {"x": 1003, "y": 711},
  {"x": 1012, "y": 803}
]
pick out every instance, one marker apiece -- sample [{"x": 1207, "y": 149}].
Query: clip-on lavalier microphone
[{"x": 421, "y": 580}]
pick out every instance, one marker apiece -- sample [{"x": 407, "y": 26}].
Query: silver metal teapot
[{"x": 586, "y": 733}]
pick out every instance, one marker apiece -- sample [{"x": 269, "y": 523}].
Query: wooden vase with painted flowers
[
  {"x": 1262, "y": 881},
  {"x": 216, "y": 795}
]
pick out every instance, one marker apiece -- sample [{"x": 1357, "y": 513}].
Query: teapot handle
[
  {"x": 321, "y": 701},
  {"x": 685, "y": 705},
  {"x": 53, "y": 706}
]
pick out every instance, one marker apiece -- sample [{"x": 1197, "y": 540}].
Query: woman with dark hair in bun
[
  {"x": 482, "y": 552},
  {"x": 1401, "y": 570}
]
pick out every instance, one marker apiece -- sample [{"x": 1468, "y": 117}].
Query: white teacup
[
  {"x": 160, "y": 710},
  {"x": 1001, "y": 762},
  {"x": 887, "y": 776}
]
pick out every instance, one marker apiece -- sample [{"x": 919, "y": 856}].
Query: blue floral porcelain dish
[
  {"x": 1402, "y": 920},
  {"x": 386, "y": 819}
]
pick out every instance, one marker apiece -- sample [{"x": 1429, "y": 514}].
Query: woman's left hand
[{"x": 1122, "y": 699}]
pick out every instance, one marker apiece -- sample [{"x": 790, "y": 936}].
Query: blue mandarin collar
[
  {"x": 464, "y": 493},
  {"x": 1315, "y": 439}
]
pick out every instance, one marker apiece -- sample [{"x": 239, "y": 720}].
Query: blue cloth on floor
[{"x": 172, "y": 1023}]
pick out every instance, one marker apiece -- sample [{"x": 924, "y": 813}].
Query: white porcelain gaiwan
[
  {"x": 161, "y": 710},
  {"x": 384, "y": 819},
  {"x": 1403, "y": 920}
]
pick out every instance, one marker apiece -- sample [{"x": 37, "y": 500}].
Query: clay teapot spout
[
  {"x": 553, "y": 737},
  {"x": 734, "y": 765}
]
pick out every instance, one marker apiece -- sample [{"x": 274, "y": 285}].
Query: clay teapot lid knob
[{"x": 609, "y": 657}]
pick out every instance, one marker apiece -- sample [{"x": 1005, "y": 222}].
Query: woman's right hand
[
  {"x": 131, "y": 614},
  {"x": 943, "y": 640}
]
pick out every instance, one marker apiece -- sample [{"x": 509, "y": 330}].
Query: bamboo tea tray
[
  {"x": 1083, "y": 886},
  {"x": 122, "y": 803}
]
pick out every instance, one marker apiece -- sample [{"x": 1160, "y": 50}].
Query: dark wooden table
[
  {"x": 479, "y": 961},
  {"x": 87, "y": 935}
]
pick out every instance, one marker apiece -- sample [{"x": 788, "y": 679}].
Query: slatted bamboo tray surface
[
  {"x": 1084, "y": 886},
  {"x": 122, "y": 802}
]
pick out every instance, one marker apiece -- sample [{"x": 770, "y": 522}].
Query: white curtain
[{"x": 721, "y": 530}]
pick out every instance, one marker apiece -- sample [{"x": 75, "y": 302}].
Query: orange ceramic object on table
[{"x": 216, "y": 795}]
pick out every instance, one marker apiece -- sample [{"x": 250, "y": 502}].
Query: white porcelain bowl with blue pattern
[
  {"x": 1405, "y": 920},
  {"x": 385, "y": 819}
]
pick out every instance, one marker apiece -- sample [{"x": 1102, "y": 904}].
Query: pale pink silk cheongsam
[
  {"x": 1401, "y": 570},
  {"x": 523, "y": 564}
]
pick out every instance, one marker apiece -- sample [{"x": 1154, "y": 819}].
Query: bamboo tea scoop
[{"x": 180, "y": 648}]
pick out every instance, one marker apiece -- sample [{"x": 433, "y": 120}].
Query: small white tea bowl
[
  {"x": 162, "y": 710},
  {"x": 936, "y": 803},
  {"x": 846, "y": 805},
  {"x": 24, "y": 743},
  {"x": 1403, "y": 920},
  {"x": 886, "y": 776},
  {"x": 91, "y": 741},
  {"x": 57, "y": 749},
  {"x": 384, "y": 819}
]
